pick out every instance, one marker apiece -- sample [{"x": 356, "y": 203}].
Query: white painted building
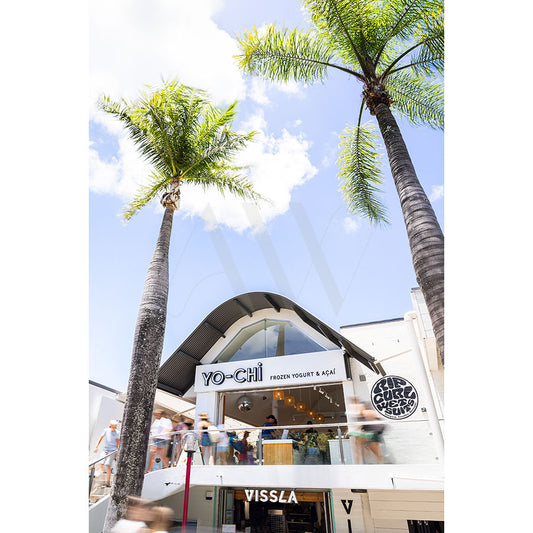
[{"x": 260, "y": 354}]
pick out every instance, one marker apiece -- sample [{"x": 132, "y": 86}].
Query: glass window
[{"x": 270, "y": 338}]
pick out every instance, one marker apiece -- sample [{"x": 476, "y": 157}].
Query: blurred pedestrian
[
  {"x": 222, "y": 446},
  {"x": 372, "y": 434},
  {"x": 161, "y": 519},
  {"x": 243, "y": 452},
  {"x": 138, "y": 515},
  {"x": 160, "y": 431},
  {"x": 111, "y": 439},
  {"x": 175, "y": 445},
  {"x": 206, "y": 443},
  {"x": 354, "y": 418}
]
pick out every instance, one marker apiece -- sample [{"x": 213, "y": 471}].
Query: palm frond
[
  {"x": 409, "y": 19},
  {"x": 180, "y": 133},
  {"x": 155, "y": 185},
  {"x": 351, "y": 27},
  {"x": 417, "y": 99},
  {"x": 224, "y": 180},
  {"x": 360, "y": 172},
  {"x": 284, "y": 55}
]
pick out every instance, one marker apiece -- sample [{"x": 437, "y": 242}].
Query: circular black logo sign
[{"x": 394, "y": 397}]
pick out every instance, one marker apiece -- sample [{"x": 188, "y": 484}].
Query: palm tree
[
  {"x": 187, "y": 141},
  {"x": 395, "y": 49}
]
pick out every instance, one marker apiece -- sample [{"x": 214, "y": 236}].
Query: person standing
[
  {"x": 269, "y": 434},
  {"x": 160, "y": 431},
  {"x": 175, "y": 445},
  {"x": 205, "y": 440},
  {"x": 111, "y": 439}
]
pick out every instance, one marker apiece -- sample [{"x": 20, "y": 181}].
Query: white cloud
[
  {"x": 122, "y": 175},
  {"x": 437, "y": 192},
  {"x": 276, "y": 166},
  {"x": 136, "y": 43},
  {"x": 351, "y": 225}
]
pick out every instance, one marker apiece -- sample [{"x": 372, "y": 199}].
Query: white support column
[
  {"x": 434, "y": 423},
  {"x": 206, "y": 402}
]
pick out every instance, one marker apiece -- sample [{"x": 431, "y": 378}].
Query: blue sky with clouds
[{"x": 303, "y": 244}]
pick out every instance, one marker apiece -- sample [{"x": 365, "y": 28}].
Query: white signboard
[{"x": 321, "y": 367}]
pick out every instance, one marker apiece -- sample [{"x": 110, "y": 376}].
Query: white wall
[
  {"x": 103, "y": 408},
  {"x": 200, "y": 508},
  {"x": 392, "y": 509},
  {"x": 412, "y": 441}
]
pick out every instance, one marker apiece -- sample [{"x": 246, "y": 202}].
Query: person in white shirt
[
  {"x": 110, "y": 436},
  {"x": 138, "y": 515},
  {"x": 160, "y": 432}
]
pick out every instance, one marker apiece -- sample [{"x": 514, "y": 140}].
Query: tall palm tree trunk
[
  {"x": 146, "y": 357},
  {"x": 425, "y": 235}
]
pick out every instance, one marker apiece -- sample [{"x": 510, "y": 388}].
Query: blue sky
[{"x": 306, "y": 244}]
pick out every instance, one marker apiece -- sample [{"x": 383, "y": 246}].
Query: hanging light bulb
[
  {"x": 289, "y": 400},
  {"x": 278, "y": 394},
  {"x": 319, "y": 419},
  {"x": 300, "y": 406},
  {"x": 311, "y": 413}
]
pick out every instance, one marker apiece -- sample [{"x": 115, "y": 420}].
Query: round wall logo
[{"x": 394, "y": 397}]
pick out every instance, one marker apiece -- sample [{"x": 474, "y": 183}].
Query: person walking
[
  {"x": 138, "y": 515},
  {"x": 161, "y": 519},
  {"x": 111, "y": 439},
  {"x": 160, "y": 431},
  {"x": 175, "y": 446},
  {"x": 205, "y": 440}
]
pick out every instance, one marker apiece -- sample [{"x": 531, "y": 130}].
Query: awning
[{"x": 177, "y": 374}]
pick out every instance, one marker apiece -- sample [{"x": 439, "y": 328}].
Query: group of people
[
  {"x": 143, "y": 517},
  {"x": 166, "y": 441},
  {"x": 229, "y": 448}
]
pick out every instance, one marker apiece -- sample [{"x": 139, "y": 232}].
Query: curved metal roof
[{"x": 177, "y": 374}]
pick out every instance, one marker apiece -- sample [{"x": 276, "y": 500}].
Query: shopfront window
[{"x": 270, "y": 338}]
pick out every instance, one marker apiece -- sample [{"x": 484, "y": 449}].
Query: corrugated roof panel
[{"x": 178, "y": 372}]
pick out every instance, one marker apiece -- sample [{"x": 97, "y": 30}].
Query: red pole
[{"x": 186, "y": 495}]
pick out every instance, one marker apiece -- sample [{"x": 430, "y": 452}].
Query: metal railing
[{"x": 94, "y": 496}]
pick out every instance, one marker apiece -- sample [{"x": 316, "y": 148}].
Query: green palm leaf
[
  {"x": 417, "y": 99},
  {"x": 182, "y": 135},
  {"x": 283, "y": 55},
  {"x": 360, "y": 172}
]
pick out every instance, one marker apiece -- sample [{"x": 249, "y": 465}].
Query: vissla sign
[{"x": 270, "y": 496}]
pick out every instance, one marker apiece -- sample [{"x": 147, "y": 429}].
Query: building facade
[{"x": 260, "y": 354}]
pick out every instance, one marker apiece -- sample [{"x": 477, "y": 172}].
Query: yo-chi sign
[
  {"x": 241, "y": 375},
  {"x": 279, "y": 496},
  {"x": 302, "y": 369}
]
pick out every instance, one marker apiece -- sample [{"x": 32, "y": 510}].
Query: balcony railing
[{"x": 341, "y": 443}]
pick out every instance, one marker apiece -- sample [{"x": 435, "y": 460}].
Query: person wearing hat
[
  {"x": 269, "y": 434},
  {"x": 111, "y": 441},
  {"x": 205, "y": 440},
  {"x": 160, "y": 431}
]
